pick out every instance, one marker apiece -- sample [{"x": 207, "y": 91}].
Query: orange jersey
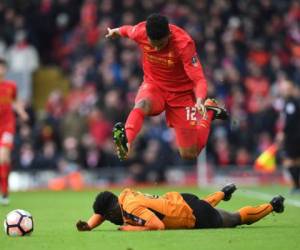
[
  {"x": 8, "y": 92},
  {"x": 171, "y": 209}
]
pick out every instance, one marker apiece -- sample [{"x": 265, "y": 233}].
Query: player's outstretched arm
[
  {"x": 128, "y": 31},
  {"x": 113, "y": 33},
  {"x": 193, "y": 69},
  {"x": 94, "y": 221}
]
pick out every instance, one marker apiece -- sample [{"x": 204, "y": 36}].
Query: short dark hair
[
  {"x": 104, "y": 202},
  {"x": 107, "y": 205},
  {"x": 3, "y": 62},
  {"x": 157, "y": 26}
]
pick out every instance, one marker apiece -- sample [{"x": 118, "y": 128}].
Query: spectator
[
  {"x": 48, "y": 158},
  {"x": 244, "y": 64},
  {"x": 99, "y": 128},
  {"x": 26, "y": 159},
  {"x": 73, "y": 125},
  {"x": 22, "y": 61}
]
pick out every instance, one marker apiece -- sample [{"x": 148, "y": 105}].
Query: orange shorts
[{"x": 180, "y": 111}]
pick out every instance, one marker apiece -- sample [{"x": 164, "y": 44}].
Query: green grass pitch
[{"x": 55, "y": 214}]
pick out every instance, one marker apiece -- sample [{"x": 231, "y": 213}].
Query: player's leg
[
  {"x": 187, "y": 145},
  {"x": 191, "y": 140},
  {"x": 213, "y": 111},
  {"x": 294, "y": 172},
  {"x": 229, "y": 219},
  {"x": 293, "y": 167},
  {"x": 224, "y": 194},
  {"x": 292, "y": 162},
  {"x": 251, "y": 214},
  {"x": 206, "y": 216},
  {"x": 297, "y": 165},
  {"x": 192, "y": 131},
  {"x": 192, "y": 134},
  {"x": 4, "y": 172},
  {"x": 6, "y": 144},
  {"x": 149, "y": 101}
]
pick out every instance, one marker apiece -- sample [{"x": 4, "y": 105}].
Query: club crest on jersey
[{"x": 195, "y": 61}]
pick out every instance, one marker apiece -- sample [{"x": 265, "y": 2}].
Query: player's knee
[
  {"x": 188, "y": 154},
  {"x": 5, "y": 160},
  {"x": 4, "y": 156},
  {"x": 229, "y": 219},
  {"x": 145, "y": 106}
]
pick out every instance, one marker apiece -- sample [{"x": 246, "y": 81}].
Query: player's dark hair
[
  {"x": 106, "y": 204},
  {"x": 157, "y": 26},
  {"x": 3, "y": 62}
]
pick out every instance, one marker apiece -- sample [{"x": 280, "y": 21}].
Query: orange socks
[
  {"x": 250, "y": 214},
  {"x": 215, "y": 198}
]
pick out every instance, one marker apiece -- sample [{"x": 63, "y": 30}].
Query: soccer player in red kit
[
  {"x": 8, "y": 92},
  {"x": 173, "y": 82}
]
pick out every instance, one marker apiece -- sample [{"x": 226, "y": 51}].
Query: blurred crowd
[{"x": 247, "y": 48}]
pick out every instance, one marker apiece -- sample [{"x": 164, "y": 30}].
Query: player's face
[
  {"x": 159, "y": 44},
  {"x": 2, "y": 70},
  {"x": 115, "y": 215}
]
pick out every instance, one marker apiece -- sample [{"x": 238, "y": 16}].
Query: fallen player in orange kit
[{"x": 135, "y": 211}]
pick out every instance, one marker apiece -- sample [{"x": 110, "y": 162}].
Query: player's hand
[
  {"x": 82, "y": 226},
  {"x": 200, "y": 107},
  {"x": 112, "y": 33}
]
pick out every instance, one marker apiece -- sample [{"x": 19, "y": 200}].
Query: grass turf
[{"x": 55, "y": 214}]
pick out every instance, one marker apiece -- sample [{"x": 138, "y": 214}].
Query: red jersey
[
  {"x": 176, "y": 67},
  {"x": 8, "y": 92}
]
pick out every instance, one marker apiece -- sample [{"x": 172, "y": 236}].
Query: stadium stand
[{"x": 246, "y": 53}]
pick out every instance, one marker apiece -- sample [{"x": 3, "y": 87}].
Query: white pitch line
[{"x": 265, "y": 196}]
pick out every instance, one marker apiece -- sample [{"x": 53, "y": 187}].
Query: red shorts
[
  {"x": 7, "y": 136},
  {"x": 180, "y": 111}
]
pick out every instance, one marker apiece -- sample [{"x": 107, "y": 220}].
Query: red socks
[
  {"x": 136, "y": 118},
  {"x": 4, "y": 172},
  {"x": 204, "y": 129},
  {"x": 134, "y": 124}
]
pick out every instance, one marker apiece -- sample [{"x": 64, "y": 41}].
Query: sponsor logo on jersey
[{"x": 195, "y": 61}]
